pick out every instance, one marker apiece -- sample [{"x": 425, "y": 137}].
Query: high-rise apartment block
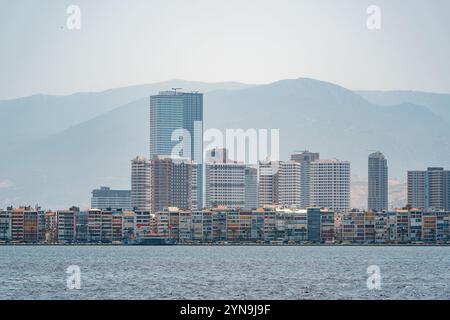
[
  {"x": 330, "y": 184},
  {"x": 377, "y": 199},
  {"x": 268, "y": 183},
  {"x": 429, "y": 189},
  {"x": 225, "y": 184},
  {"x": 140, "y": 184},
  {"x": 327, "y": 183},
  {"x": 289, "y": 184},
  {"x": 251, "y": 188},
  {"x": 229, "y": 183},
  {"x": 173, "y": 183},
  {"x": 305, "y": 158}
]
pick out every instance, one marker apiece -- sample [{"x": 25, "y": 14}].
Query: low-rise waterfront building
[
  {"x": 5, "y": 226},
  {"x": 67, "y": 225}
]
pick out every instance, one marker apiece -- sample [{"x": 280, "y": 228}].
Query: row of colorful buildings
[{"x": 265, "y": 225}]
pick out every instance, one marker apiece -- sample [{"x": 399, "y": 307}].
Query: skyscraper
[
  {"x": 429, "y": 189},
  {"x": 305, "y": 158},
  {"x": 176, "y": 129},
  {"x": 378, "y": 183},
  {"x": 330, "y": 184}
]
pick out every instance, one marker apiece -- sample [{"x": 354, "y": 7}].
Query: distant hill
[
  {"x": 438, "y": 103},
  {"x": 83, "y": 149},
  {"x": 27, "y": 120}
]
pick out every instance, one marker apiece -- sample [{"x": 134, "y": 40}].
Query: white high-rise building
[
  {"x": 330, "y": 184},
  {"x": 305, "y": 158},
  {"x": 141, "y": 184},
  {"x": 225, "y": 185},
  {"x": 268, "y": 183},
  {"x": 289, "y": 184},
  {"x": 429, "y": 189}
]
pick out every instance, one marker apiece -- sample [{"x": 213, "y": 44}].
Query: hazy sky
[{"x": 122, "y": 43}]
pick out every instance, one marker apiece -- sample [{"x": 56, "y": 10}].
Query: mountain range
[{"x": 56, "y": 149}]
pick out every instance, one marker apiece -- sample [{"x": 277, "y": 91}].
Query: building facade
[
  {"x": 105, "y": 198},
  {"x": 180, "y": 115},
  {"x": 140, "y": 184},
  {"x": 377, "y": 199},
  {"x": 173, "y": 183},
  {"x": 429, "y": 189},
  {"x": 225, "y": 185},
  {"x": 67, "y": 226},
  {"x": 305, "y": 158},
  {"x": 330, "y": 184},
  {"x": 268, "y": 183},
  {"x": 289, "y": 184},
  {"x": 251, "y": 188}
]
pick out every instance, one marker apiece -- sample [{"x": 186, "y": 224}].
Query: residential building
[
  {"x": 128, "y": 227},
  {"x": 81, "y": 226},
  {"x": 330, "y": 184},
  {"x": 377, "y": 182},
  {"x": 143, "y": 225},
  {"x": 429, "y": 189},
  {"x": 314, "y": 220},
  {"x": 30, "y": 227},
  {"x": 225, "y": 185},
  {"x": 219, "y": 224},
  {"x": 305, "y": 158},
  {"x": 289, "y": 184},
  {"x": 415, "y": 225},
  {"x": 67, "y": 225},
  {"x": 326, "y": 226},
  {"x": 51, "y": 227},
  {"x": 381, "y": 227},
  {"x": 268, "y": 183},
  {"x": 173, "y": 184},
  {"x": 251, "y": 188},
  {"x": 26, "y": 224},
  {"x": 5, "y": 226},
  {"x": 403, "y": 225},
  {"x": 140, "y": 184},
  {"x": 429, "y": 227},
  {"x": 117, "y": 225}
]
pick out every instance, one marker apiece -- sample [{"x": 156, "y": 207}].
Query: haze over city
[{"x": 200, "y": 150}]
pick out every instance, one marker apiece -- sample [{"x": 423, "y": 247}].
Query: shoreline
[{"x": 216, "y": 245}]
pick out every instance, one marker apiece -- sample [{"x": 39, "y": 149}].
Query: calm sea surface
[{"x": 204, "y": 272}]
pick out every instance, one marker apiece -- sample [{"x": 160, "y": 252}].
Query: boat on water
[{"x": 156, "y": 240}]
